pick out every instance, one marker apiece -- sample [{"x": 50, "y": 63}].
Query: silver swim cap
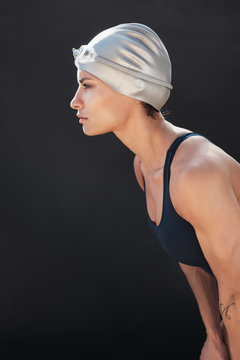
[{"x": 132, "y": 60}]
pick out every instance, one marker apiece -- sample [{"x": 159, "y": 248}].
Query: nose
[{"x": 76, "y": 103}]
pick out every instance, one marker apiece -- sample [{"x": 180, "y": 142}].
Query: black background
[{"x": 81, "y": 276}]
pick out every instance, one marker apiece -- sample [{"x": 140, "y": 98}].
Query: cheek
[
  {"x": 93, "y": 100},
  {"x": 105, "y": 108},
  {"x": 96, "y": 102},
  {"x": 112, "y": 104},
  {"x": 110, "y": 111}
]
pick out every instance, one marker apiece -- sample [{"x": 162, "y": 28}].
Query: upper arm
[
  {"x": 210, "y": 205},
  {"x": 137, "y": 170}
]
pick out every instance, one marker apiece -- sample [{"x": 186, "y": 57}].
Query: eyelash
[{"x": 86, "y": 86}]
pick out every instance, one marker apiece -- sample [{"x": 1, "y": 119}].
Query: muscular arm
[
  {"x": 205, "y": 290},
  {"x": 210, "y": 205}
]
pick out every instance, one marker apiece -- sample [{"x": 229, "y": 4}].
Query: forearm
[
  {"x": 205, "y": 291},
  {"x": 229, "y": 305}
]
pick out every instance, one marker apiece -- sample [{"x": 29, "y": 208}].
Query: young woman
[{"x": 191, "y": 185}]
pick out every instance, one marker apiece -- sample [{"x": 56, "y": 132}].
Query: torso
[{"x": 196, "y": 148}]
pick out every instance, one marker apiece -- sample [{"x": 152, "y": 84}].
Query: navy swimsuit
[{"x": 176, "y": 235}]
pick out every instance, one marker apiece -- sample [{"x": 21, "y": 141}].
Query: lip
[{"x": 81, "y": 118}]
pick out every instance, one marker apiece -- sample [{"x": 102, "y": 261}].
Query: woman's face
[{"x": 103, "y": 108}]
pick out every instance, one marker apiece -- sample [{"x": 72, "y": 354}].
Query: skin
[{"x": 204, "y": 189}]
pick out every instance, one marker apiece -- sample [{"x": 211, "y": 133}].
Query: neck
[{"x": 148, "y": 138}]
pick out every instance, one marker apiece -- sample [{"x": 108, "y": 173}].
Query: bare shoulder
[
  {"x": 202, "y": 163},
  {"x": 138, "y": 172},
  {"x": 202, "y": 175},
  {"x": 202, "y": 184},
  {"x": 206, "y": 195}
]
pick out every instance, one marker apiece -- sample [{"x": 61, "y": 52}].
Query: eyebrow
[{"x": 84, "y": 78}]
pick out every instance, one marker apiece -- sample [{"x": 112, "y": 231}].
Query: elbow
[
  {"x": 229, "y": 289},
  {"x": 228, "y": 277},
  {"x": 227, "y": 271},
  {"x": 227, "y": 295}
]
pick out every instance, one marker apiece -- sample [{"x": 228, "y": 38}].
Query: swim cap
[{"x": 132, "y": 60}]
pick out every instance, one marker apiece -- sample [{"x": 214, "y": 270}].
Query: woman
[{"x": 124, "y": 76}]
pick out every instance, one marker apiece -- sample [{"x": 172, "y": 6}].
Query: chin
[{"x": 93, "y": 132}]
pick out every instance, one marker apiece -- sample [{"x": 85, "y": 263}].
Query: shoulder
[
  {"x": 201, "y": 166},
  {"x": 201, "y": 188},
  {"x": 138, "y": 172},
  {"x": 202, "y": 171},
  {"x": 205, "y": 197}
]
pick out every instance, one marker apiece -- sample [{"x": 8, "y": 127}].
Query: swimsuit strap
[{"x": 171, "y": 152}]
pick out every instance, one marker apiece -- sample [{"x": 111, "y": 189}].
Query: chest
[{"x": 155, "y": 194}]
